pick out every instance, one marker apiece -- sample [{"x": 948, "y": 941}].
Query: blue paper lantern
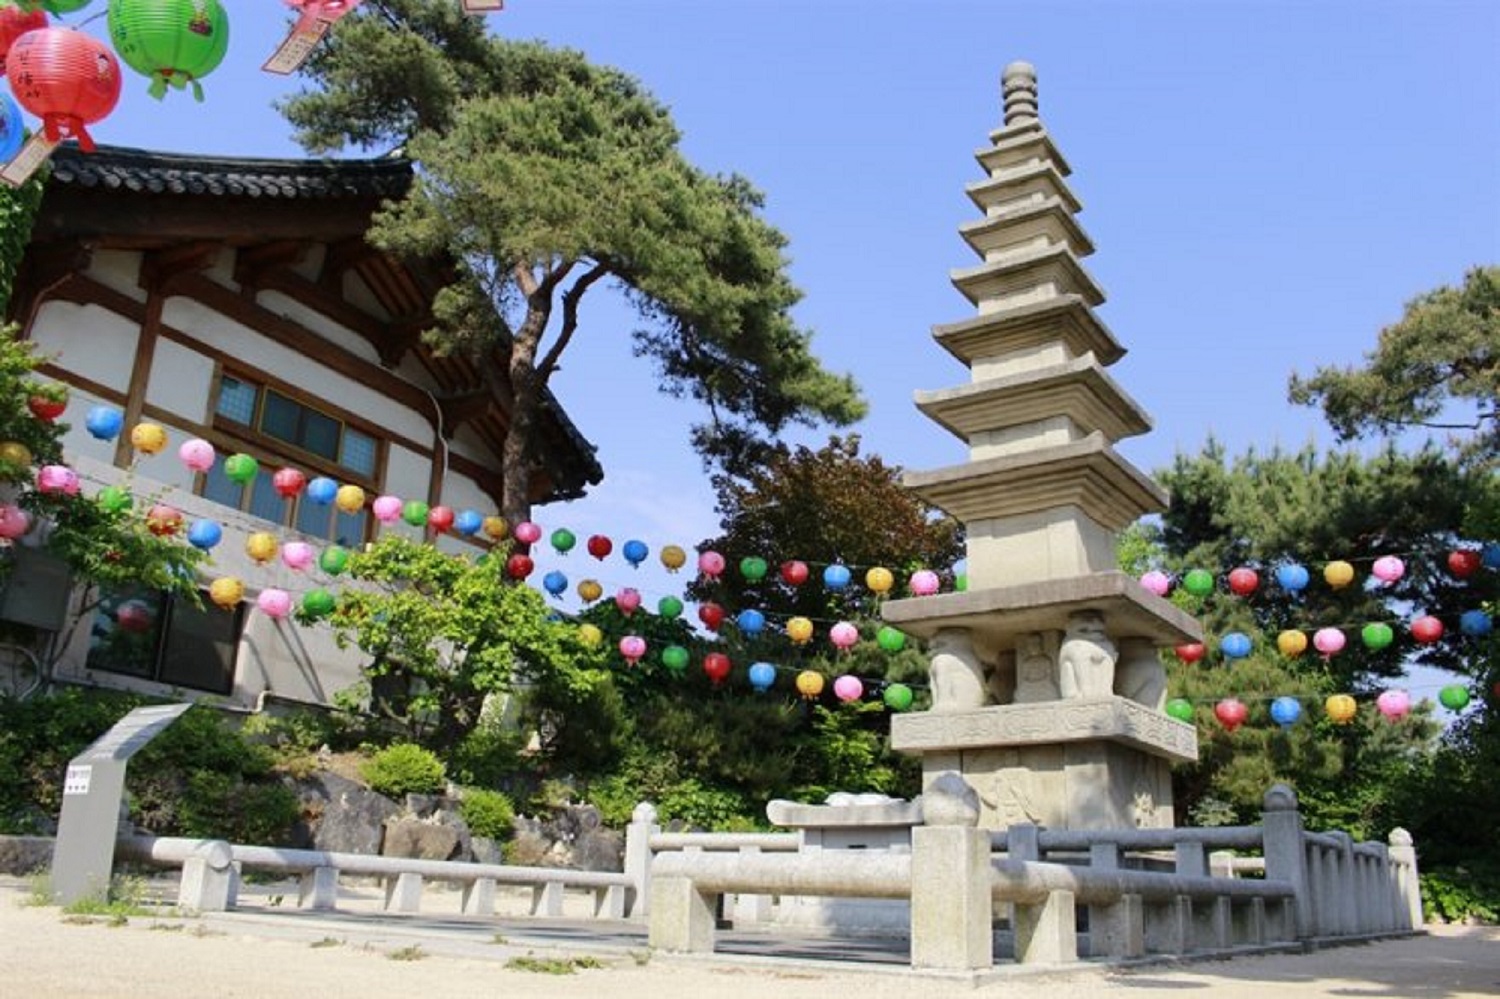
[
  {"x": 1235, "y": 645},
  {"x": 635, "y": 552},
  {"x": 103, "y": 422},
  {"x": 468, "y": 522},
  {"x": 205, "y": 534},
  {"x": 1475, "y": 623},
  {"x": 751, "y": 622},
  {"x": 762, "y": 676},
  {"x": 321, "y": 490},
  {"x": 1285, "y": 711},
  {"x": 836, "y": 577},
  {"x": 555, "y": 582},
  {"x": 1490, "y": 556},
  {"x": 12, "y": 129},
  {"x": 1292, "y": 577}
]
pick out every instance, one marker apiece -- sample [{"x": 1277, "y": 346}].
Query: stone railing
[
  {"x": 211, "y": 871},
  {"x": 1145, "y": 891}
]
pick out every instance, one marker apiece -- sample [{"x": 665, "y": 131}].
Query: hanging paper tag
[
  {"x": 32, "y": 155},
  {"x": 293, "y": 52},
  {"x": 483, "y": 6}
]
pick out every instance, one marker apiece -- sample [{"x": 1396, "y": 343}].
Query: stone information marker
[{"x": 1046, "y": 684}]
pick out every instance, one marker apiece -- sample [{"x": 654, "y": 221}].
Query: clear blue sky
[{"x": 1266, "y": 183}]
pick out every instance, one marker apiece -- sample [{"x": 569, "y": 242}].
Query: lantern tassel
[{"x": 158, "y": 88}]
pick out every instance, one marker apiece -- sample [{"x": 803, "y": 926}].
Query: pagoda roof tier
[
  {"x": 996, "y": 617},
  {"x": 1054, "y": 265},
  {"x": 1018, "y": 143},
  {"x": 1078, "y": 389},
  {"x": 1034, "y": 180},
  {"x": 1065, "y": 318},
  {"x": 1087, "y": 474},
  {"x": 1024, "y": 224}
]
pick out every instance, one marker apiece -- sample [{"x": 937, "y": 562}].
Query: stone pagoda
[{"x": 1047, "y": 689}]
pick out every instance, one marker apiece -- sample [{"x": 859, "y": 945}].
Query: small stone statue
[
  {"x": 1139, "y": 675},
  {"x": 1086, "y": 659},
  {"x": 950, "y": 801},
  {"x": 955, "y": 672},
  {"x": 1036, "y": 668}
]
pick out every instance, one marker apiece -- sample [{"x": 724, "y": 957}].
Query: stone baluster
[
  {"x": 1286, "y": 857},
  {"x": 951, "y": 884},
  {"x": 638, "y": 835},
  {"x": 1408, "y": 890}
]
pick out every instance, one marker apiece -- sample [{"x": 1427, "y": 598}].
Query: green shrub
[
  {"x": 488, "y": 813},
  {"x": 486, "y": 757},
  {"x": 1456, "y": 895},
  {"x": 405, "y": 769}
]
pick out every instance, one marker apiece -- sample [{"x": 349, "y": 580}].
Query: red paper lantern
[
  {"x": 321, "y": 10},
  {"x": 519, "y": 566},
  {"x": 1427, "y": 629},
  {"x": 716, "y": 665},
  {"x": 15, "y": 22},
  {"x": 711, "y": 614},
  {"x": 1231, "y": 713},
  {"x": 1243, "y": 582},
  {"x": 794, "y": 572},
  {"x": 288, "y": 482},
  {"x": 66, "y": 78},
  {"x": 599, "y": 546},
  {"x": 440, "y": 518},
  {"x": 1463, "y": 563},
  {"x": 1191, "y": 652}
]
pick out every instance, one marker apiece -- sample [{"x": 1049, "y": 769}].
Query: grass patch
[
  {"x": 552, "y": 965},
  {"x": 126, "y": 897},
  {"x": 167, "y": 927},
  {"x": 412, "y": 953},
  {"x": 326, "y": 942}
]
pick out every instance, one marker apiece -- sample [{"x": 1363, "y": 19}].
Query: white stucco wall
[
  {"x": 181, "y": 381},
  {"x": 88, "y": 340}
]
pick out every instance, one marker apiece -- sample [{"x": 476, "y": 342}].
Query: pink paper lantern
[
  {"x": 312, "y": 11},
  {"x": 57, "y": 479},
  {"x": 14, "y": 521},
  {"x": 711, "y": 564},
  {"x": 274, "y": 603},
  {"x": 1329, "y": 641},
  {"x": 197, "y": 454},
  {"x": 528, "y": 533},
  {"x": 628, "y": 600},
  {"x": 1157, "y": 582},
  {"x": 632, "y": 647},
  {"x": 843, "y": 635},
  {"x": 297, "y": 555},
  {"x": 1394, "y": 704},
  {"x": 1388, "y": 569},
  {"x": 924, "y": 582},
  {"x": 387, "y": 509},
  {"x": 848, "y": 688}
]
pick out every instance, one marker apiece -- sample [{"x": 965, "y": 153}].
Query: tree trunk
[{"x": 526, "y": 394}]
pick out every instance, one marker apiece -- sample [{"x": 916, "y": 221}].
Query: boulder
[
  {"x": 422, "y": 840},
  {"x": 341, "y": 815}
]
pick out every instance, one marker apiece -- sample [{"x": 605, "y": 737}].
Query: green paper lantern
[
  {"x": 415, "y": 513},
  {"x": 174, "y": 42},
  {"x": 55, "y": 7},
  {"x": 333, "y": 560},
  {"x": 753, "y": 569},
  {"x": 961, "y": 582},
  {"x": 897, "y": 697},
  {"x": 563, "y": 540},
  {"x": 1180, "y": 708},
  {"x": 113, "y": 499},
  {"x": 669, "y": 606},
  {"x": 240, "y": 468},
  {"x": 674, "y": 658},
  {"x": 1198, "y": 582},
  {"x": 317, "y": 603},
  {"x": 1377, "y": 636},
  {"x": 1454, "y": 697},
  {"x": 891, "y": 639}
]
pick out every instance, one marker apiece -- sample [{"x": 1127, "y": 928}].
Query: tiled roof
[{"x": 147, "y": 172}]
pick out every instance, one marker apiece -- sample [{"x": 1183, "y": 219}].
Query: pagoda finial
[{"x": 1018, "y": 87}]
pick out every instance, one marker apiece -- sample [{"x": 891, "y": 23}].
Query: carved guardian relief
[
  {"x": 1036, "y": 667},
  {"x": 1086, "y": 658},
  {"x": 1140, "y": 675},
  {"x": 955, "y": 672}
]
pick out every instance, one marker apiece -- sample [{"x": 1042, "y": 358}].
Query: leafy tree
[
  {"x": 543, "y": 176},
  {"x": 18, "y": 208},
  {"x": 444, "y": 634}
]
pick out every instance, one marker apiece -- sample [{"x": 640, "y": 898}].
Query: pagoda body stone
[{"x": 1046, "y": 682}]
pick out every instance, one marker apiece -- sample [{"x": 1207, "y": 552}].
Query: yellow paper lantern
[
  {"x": 879, "y": 579},
  {"x": 350, "y": 499},
  {"x": 1291, "y": 643},
  {"x": 261, "y": 546},
  {"x": 673, "y": 557},
  {"x": 495, "y": 528},
  {"x": 16, "y": 454},
  {"x": 1340, "y": 708},
  {"x": 226, "y": 592},
  {"x": 809, "y": 683},
  {"x": 799, "y": 630},
  {"x": 590, "y": 635},
  {"x": 148, "y": 438},
  {"x": 1338, "y": 574},
  {"x": 590, "y": 590}
]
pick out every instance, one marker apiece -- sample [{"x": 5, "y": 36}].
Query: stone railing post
[
  {"x": 1117, "y": 929},
  {"x": 638, "y": 857},
  {"x": 208, "y": 878},
  {"x": 1286, "y": 854},
  {"x": 1345, "y": 888},
  {"x": 1408, "y": 890},
  {"x": 951, "y": 884}
]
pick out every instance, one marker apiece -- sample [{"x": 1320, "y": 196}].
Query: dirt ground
[{"x": 46, "y": 954}]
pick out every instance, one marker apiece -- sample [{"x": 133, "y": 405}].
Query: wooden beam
[
  {"x": 45, "y": 268},
  {"x": 252, "y": 263},
  {"x": 160, "y": 269},
  {"x": 391, "y": 341},
  {"x": 340, "y": 257}
]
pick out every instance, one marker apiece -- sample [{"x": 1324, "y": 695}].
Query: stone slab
[
  {"x": 1112, "y": 719},
  {"x": 997, "y": 616},
  {"x": 1066, "y": 319}
]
